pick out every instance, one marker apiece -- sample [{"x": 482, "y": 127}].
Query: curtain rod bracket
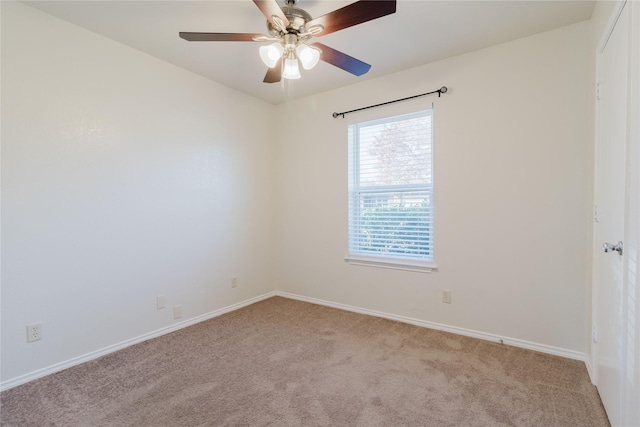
[{"x": 440, "y": 91}]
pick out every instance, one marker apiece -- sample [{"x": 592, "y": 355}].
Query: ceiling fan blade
[
  {"x": 342, "y": 60},
  {"x": 219, "y": 37},
  {"x": 269, "y": 9},
  {"x": 274, "y": 74},
  {"x": 353, "y": 14}
]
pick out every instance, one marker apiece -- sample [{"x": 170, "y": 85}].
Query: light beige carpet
[{"x": 288, "y": 363}]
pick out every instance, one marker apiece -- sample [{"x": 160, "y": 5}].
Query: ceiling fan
[{"x": 290, "y": 28}]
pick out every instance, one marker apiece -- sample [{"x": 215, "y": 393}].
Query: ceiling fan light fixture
[
  {"x": 271, "y": 54},
  {"x": 291, "y": 70},
  {"x": 308, "y": 56}
]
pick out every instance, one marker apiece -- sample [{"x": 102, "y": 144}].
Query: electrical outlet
[
  {"x": 160, "y": 302},
  {"x": 234, "y": 282},
  {"x": 34, "y": 332},
  {"x": 177, "y": 311},
  {"x": 446, "y": 296}
]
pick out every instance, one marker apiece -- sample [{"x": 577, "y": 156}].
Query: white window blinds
[{"x": 391, "y": 190}]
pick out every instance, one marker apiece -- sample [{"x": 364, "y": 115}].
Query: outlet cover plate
[
  {"x": 34, "y": 332},
  {"x": 446, "y": 296}
]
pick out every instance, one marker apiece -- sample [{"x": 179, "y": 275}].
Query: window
[{"x": 391, "y": 192}]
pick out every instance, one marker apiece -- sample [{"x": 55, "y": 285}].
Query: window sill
[{"x": 391, "y": 263}]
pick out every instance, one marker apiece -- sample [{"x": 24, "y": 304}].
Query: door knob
[{"x": 608, "y": 247}]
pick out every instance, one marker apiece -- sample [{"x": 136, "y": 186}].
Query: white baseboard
[
  {"x": 22, "y": 379},
  {"x": 5, "y": 385},
  {"x": 543, "y": 348}
]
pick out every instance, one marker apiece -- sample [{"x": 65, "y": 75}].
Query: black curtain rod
[{"x": 440, "y": 91}]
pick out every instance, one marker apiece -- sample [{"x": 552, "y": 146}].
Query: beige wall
[
  {"x": 123, "y": 177},
  {"x": 513, "y": 169}
]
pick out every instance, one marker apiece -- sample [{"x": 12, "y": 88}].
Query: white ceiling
[{"x": 421, "y": 31}]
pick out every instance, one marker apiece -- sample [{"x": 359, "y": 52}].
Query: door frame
[
  {"x": 630, "y": 385},
  {"x": 596, "y": 238}
]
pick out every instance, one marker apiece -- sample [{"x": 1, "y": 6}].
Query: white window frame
[{"x": 399, "y": 262}]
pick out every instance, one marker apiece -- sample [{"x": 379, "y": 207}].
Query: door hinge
[
  {"x": 598, "y": 91},
  {"x": 595, "y": 213}
]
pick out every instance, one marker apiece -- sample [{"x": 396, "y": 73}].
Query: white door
[{"x": 609, "y": 267}]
